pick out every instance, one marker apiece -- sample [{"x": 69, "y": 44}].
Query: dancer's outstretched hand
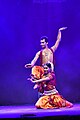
[
  {"x": 63, "y": 28},
  {"x": 28, "y": 66},
  {"x": 30, "y": 79}
]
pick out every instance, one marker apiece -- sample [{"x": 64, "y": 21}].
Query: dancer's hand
[
  {"x": 30, "y": 79},
  {"x": 63, "y": 28},
  {"x": 28, "y": 66},
  {"x": 35, "y": 86}
]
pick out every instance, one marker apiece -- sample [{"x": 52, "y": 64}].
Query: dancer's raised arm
[{"x": 58, "y": 39}]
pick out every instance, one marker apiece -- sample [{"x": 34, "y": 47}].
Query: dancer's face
[
  {"x": 46, "y": 69},
  {"x": 43, "y": 43}
]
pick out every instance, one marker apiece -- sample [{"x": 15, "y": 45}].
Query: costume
[
  {"x": 46, "y": 57},
  {"x": 37, "y": 73},
  {"x": 52, "y": 101}
]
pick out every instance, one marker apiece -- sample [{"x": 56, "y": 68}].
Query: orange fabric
[
  {"x": 37, "y": 72},
  {"x": 52, "y": 101}
]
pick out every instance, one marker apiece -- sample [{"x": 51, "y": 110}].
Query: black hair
[
  {"x": 48, "y": 64},
  {"x": 45, "y": 37}
]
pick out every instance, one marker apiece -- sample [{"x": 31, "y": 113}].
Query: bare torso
[{"x": 47, "y": 55}]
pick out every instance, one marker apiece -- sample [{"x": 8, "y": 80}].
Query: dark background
[{"x": 22, "y": 23}]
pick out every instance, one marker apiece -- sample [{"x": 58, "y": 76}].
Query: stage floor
[{"x": 29, "y": 111}]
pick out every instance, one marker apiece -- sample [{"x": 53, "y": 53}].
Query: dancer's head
[
  {"x": 44, "y": 41},
  {"x": 47, "y": 68}
]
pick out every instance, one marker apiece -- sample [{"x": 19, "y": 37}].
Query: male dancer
[{"x": 46, "y": 54}]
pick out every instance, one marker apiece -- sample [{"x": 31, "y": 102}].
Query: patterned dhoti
[{"x": 52, "y": 101}]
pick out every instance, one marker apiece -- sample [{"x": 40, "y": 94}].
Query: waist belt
[{"x": 50, "y": 92}]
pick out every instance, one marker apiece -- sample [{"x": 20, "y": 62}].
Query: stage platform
[{"x": 30, "y": 112}]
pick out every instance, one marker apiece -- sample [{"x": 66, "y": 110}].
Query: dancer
[
  {"x": 51, "y": 97},
  {"x": 46, "y": 54}
]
